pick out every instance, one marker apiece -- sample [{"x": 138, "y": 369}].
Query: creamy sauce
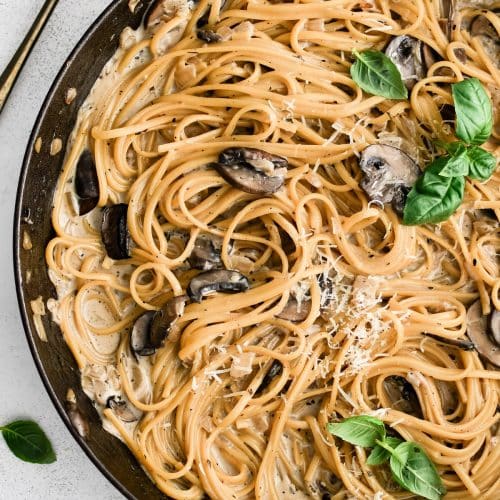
[{"x": 100, "y": 382}]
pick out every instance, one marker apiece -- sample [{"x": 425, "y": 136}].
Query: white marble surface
[{"x": 21, "y": 391}]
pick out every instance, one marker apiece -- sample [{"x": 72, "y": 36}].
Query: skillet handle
[{"x": 9, "y": 76}]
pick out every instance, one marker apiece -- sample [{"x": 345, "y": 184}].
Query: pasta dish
[{"x": 247, "y": 250}]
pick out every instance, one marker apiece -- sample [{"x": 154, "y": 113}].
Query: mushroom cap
[
  {"x": 295, "y": 312},
  {"x": 252, "y": 156},
  {"x": 164, "y": 318},
  {"x": 482, "y": 28},
  {"x": 114, "y": 231},
  {"x": 206, "y": 254},
  {"x": 86, "y": 183},
  {"x": 220, "y": 280},
  {"x": 275, "y": 370},
  {"x": 140, "y": 337},
  {"x": 406, "y": 53},
  {"x": 402, "y": 395},
  {"x": 478, "y": 330},
  {"x": 122, "y": 410},
  {"x": 246, "y": 178},
  {"x": 495, "y": 325},
  {"x": 389, "y": 174},
  {"x": 208, "y": 36}
]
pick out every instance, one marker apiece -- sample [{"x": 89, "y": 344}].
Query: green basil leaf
[
  {"x": 361, "y": 431},
  {"x": 481, "y": 163},
  {"x": 415, "y": 472},
  {"x": 433, "y": 198},
  {"x": 457, "y": 164},
  {"x": 28, "y": 442},
  {"x": 376, "y": 74},
  {"x": 380, "y": 455},
  {"x": 451, "y": 147},
  {"x": 474, "y": 111}
]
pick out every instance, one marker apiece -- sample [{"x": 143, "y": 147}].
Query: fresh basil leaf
[
  {"x": 474, "y": 111},
  {"x": 376, "y": 74},
  {"x": 433, "y": 198},
  {"x": 28, "y": 442},
  {"x": 415, "y": 472},
  {"x": 457, "y": 164},
  {"x": 481, "y": 163},
  {"x": 361, "y": 431},
  {"x": 451, "y": 147},
  {"x": 380, "y": 455}
]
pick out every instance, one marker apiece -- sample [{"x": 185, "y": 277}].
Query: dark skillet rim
[{"x": 96, "y": 25}]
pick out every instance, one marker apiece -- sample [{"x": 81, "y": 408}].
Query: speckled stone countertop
[{"x": 21, "y": 391}]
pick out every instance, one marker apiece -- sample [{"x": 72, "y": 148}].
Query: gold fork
[{"x": 9, "y": 76}]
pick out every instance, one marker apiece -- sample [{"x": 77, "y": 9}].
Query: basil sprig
[
  {"x": 28, "y": 442},
  {"x": 410, "y": 466},
  {"x": 440, "y": 190},
  {"x": 376, "y": 74}
]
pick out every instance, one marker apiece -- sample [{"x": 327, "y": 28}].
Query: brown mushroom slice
[
  {"x": 274, "y": 371},
  {"x": 495, "y": 325},
  {"x": 208, "y": 36},
  {"x": 216, "y": 281},
  {"x": 140, "y": 342},
  {"x": 295, "y": 311},
  {"x": 448, "y": 395},
  {"x": 258, "y": 159},
  {"x": 488, "y": 36},
  {"x": 86, "y": 183},
  {"x": 206, "y": 254},
  {"x": 164, "y": 319},
  {"x": 389, "y": 175},
  {"x": 406, "y": 53},
  {"x": 460, "y": 344},
  {"x": 114, "y": 231},
  {"x": 483, "y": 338},
  {"x": 402, "y": 395},
  {"x": 122, "y": 410},
  {"x": 247, "y": 179},
  {"x": 159, "y": 11}
]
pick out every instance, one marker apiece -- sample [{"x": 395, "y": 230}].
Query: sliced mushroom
[
  {"x": 160, "y": 11},
  {"x": 389, "y": 175},
  {"x": 256, "y": 158},
  {"x": 484, "y": 333},
  {"x": 86, "y": 183},
  {"x": 461, "y": 344},
  {"x": 293, "y": 311},
  {"x": 122, "y": 410},
  {"x": 208, "y": 36},
  {"x": 164, "y": 319},
  {"x": 248, "y": 179},
  {"x": 406, "y": 53},
  {"x": 495, "y": 325},
  {"x": 448, "y": 396},
  {"x": 252, "y": 170},
  {"x": 140, "y": 342},
  {"x": 114, "y": 231},
  {"x": 402, "y": 395},
  {"x": 206, "y": 254},
  {"x": 488, "y": 36},
  {"x": 216, "y": 281},
  {"x": 274, "y": 371}
]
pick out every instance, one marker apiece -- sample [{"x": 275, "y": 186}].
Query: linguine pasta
[{"x": 342, "y": 296}]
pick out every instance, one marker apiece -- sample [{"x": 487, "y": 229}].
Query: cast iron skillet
[{"x": 37, "y": 182}]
